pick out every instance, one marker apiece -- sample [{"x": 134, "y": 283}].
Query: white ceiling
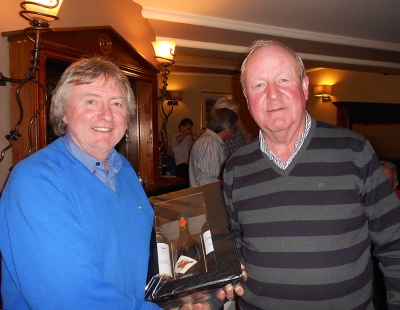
[{"x": 354, "y": 34}]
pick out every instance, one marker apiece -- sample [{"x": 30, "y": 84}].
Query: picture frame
[{"x": 207, "y": 102}]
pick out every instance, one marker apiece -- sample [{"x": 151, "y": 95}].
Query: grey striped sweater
[{"x": 304, "y": 233}]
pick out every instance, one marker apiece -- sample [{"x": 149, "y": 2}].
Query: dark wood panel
[
  {"x": 367, "y": 113},
  {"x": 378, "y": 122}
]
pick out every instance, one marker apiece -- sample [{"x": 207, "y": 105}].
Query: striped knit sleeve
[
  {"x": 383, "y": 212},
  {"x": 381, "y": 205},
  {"x": 245, "y": 157}
]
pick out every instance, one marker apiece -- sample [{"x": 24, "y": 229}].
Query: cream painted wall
[
  {"x": 123, "y": 15},
  {"x": 350, "y": 86},
  {"x": 360, "y": 87}
]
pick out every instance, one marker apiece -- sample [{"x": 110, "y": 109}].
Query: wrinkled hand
[
  {"x": 185, "y": 132},
  {"x": 228, "y": 292},
  {"x": 199, "y": 306}
]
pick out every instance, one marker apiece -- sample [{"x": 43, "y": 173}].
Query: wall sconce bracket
[{"x": 40, "y": 15}]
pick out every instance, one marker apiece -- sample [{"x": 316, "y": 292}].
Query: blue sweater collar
[{"x": 94, "y": 165}]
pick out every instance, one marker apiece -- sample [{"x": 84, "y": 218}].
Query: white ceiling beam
[
  {"x": 305, "y": 56},
  {"x": 193, "y": 19}
]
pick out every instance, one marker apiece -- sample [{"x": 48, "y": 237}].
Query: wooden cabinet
[
  {"x": 66, "y": 45},
  {"x": 350, "y": 113}
]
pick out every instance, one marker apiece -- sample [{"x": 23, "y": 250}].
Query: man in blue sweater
[
  {"x": 75, "y": 223},
  {"x": 307, "y": 199}
]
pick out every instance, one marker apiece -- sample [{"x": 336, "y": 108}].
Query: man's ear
[
  {"x": 304, "y": 84},
  {"x": 247, "y": 102},
  {"x": 222, "y": 134},
  {"x": 395, "y": 183}
]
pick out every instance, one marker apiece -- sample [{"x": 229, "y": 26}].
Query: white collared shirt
[{"x": 297, "y": 145}]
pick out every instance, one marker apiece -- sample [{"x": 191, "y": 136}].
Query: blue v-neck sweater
[{"x": 70, "y": 242}]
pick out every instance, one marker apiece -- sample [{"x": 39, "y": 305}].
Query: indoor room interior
[{"x": 351, "y": 52}]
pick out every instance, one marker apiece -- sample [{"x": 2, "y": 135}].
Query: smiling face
[
  {"x": 276, "y": 96},
  {"x": 96, "y": 116}
]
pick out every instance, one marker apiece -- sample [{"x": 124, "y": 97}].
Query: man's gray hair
[
  {"x": 222, "y": 119},
  {"x": 262, "y": 43},
  {"x": 390, "y": 166},
  {"x": 225, "y": 103}
]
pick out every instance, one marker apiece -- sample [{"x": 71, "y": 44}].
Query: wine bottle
[
  {"x": 187, "y": 254},
  {"x": 208, "y": 247},
  {"x": 163, "y": 255}
]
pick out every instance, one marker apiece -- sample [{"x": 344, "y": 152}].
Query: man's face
[
  {"x": 276, "y": 97},
  {"x": 226, "y": 134},
  {"x": 187, "y": 129},
  {"x": 96, "y": 116}
]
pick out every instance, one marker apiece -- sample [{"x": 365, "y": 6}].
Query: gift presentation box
[{"x": 199, "y": 204}]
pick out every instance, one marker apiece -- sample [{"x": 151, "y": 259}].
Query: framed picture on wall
[{"x": 207, "y": 101}]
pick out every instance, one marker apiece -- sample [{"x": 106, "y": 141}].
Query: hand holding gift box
[{"x": 202, "y": 252}]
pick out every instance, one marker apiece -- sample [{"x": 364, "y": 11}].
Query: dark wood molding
[{"x": 350, "y": 113}]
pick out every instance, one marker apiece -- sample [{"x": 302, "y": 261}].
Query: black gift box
[{"x": 200, "y": 204}]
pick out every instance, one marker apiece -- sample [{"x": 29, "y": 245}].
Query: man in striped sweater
[{"x": 307, "y": 199}]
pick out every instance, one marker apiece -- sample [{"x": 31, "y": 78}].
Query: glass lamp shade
[
  {"x": 175, "y": 95},
  {"x": 323, "y": 90},
  {"x": 47, "y": 9},
  {"x": 164, "y": 51}
]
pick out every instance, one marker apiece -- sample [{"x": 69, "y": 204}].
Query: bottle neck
[{"x": 184, "y": 230}]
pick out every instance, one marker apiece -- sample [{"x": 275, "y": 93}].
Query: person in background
[
  {"x": 237, "y": 139},
  {"x": 391, "y": 173},
  {"x": 181, "y": 143},
  {"x": 208, "y": 154},
  {"x": 306, "y": 199}
]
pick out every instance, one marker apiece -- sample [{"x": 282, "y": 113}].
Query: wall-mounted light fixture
[
  {"x": 323, "y": 91},
  {"x": 164, "y": 53},
  {"x": 39, "y": 13},
  {"x": 173, "y": 96}
]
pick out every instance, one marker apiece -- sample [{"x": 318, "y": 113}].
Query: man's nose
[
  {"x": 273, "y": 91},
  {"x": 105, "y": 112}
]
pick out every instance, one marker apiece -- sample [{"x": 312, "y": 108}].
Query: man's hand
[
  {"x": 199, "y": 306},
  {"x": 230, "y": 291},
  {"x": 185, "y": 131}
]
